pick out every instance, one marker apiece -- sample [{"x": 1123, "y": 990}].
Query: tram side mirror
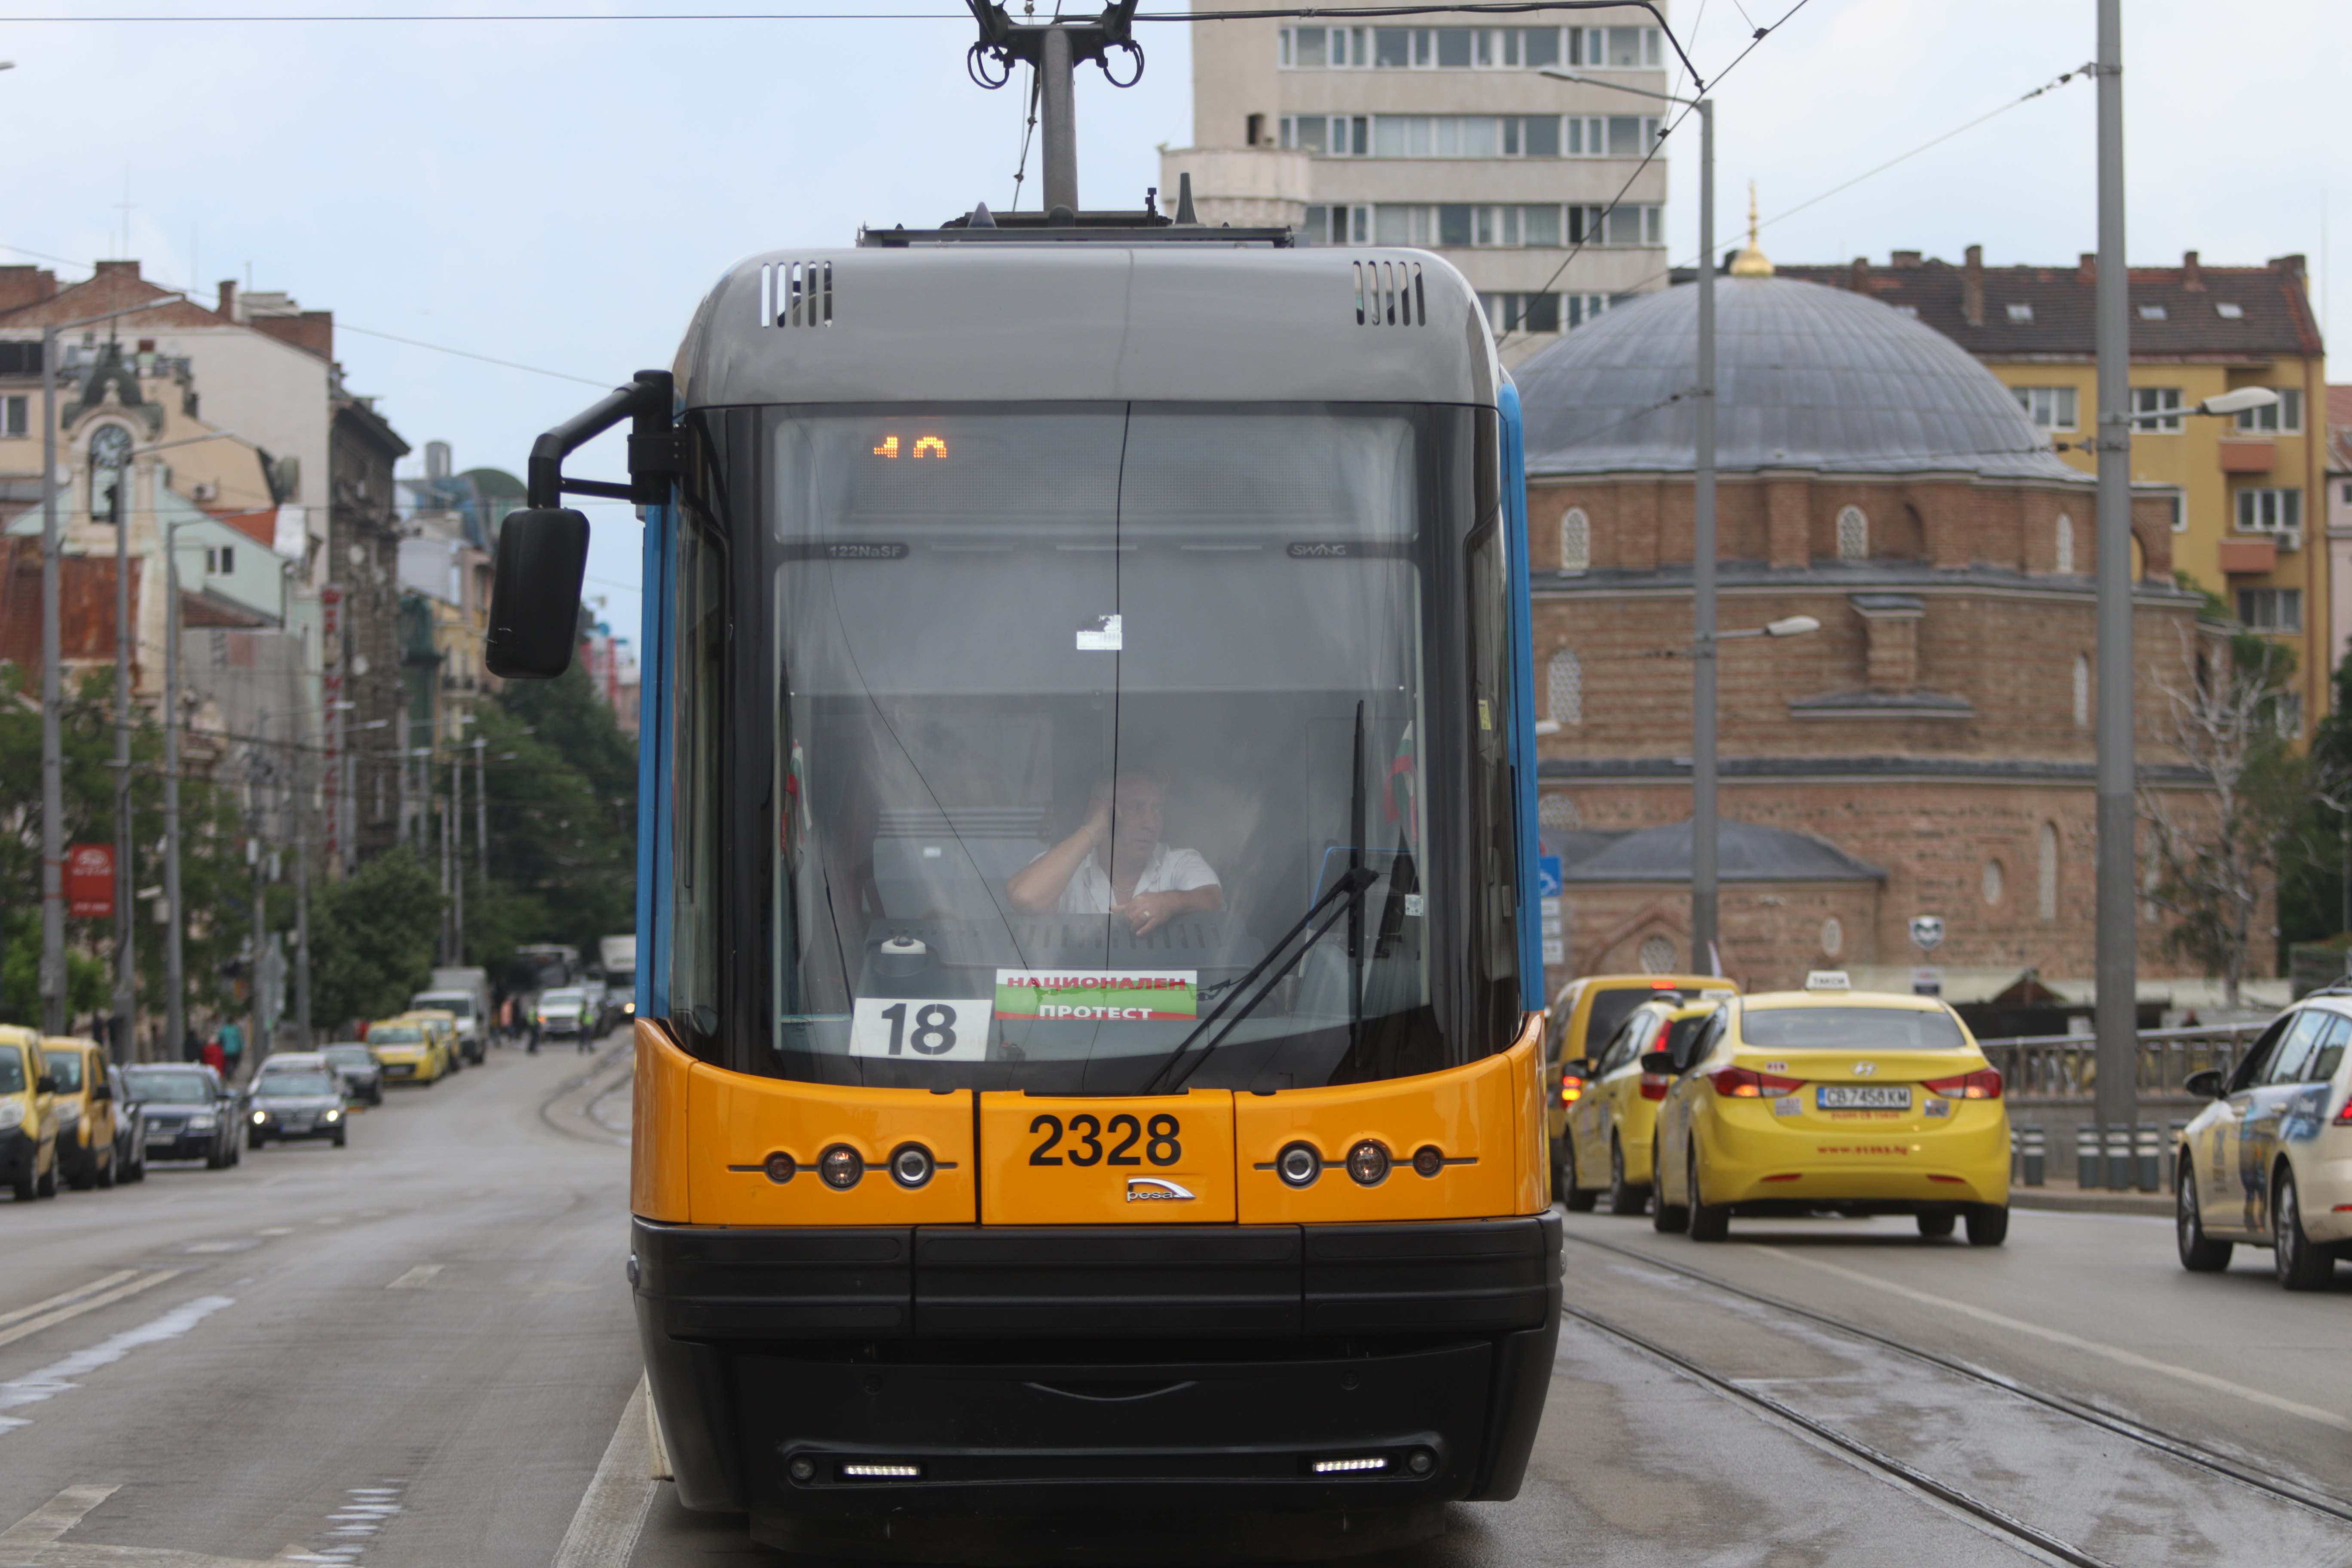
[
  {"x": 535, "y": 593},
  {"x": 2205, "y": 1085},
  {"x": 1659, "y": 1062}
]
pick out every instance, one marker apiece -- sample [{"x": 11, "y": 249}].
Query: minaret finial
[{"x": 1752, "y": 262}]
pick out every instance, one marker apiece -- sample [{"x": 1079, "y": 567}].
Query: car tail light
[
  {"x": 2344, "y": 1117},
  {"x": 1571, "y": 1088},
  {"x": 1653, "y": 1085},
  {"x": 1742, "y": 1083},
  {"x": 1982, "y": 1084}
]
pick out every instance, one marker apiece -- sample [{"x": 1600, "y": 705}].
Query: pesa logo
[{"x": 1155, "y": 1190}]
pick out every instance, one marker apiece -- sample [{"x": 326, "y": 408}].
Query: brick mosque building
[{"x": 1929, "y": 749}]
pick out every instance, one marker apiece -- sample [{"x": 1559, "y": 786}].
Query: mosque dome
[{"x": 1808, "y": 378}]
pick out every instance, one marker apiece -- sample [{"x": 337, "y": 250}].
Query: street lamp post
[{"x": 1704, "y": 948}]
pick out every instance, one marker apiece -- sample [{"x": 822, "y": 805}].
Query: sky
[{"x": 559, "y": 194}]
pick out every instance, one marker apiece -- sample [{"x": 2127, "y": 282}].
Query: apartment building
[
  {"x": 1446, "y": 134},
  {"x": 2248, "y": 494}
]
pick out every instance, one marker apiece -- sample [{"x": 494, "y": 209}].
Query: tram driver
[{"x": 1115, "y": 863}]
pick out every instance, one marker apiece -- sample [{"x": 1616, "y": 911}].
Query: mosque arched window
[
  {"x": 2048, "y": 880},
  {"x": 1556, "y": 810},
  {"x": 1564, "y": 687},
  {"x": 1853, "y": 535},
  {"x": 1658, "y": 955},
  {"x": 1575, "y": 541},
  {"x": 2066, "y": 544},
  {"x": 2082, "y": 692}
]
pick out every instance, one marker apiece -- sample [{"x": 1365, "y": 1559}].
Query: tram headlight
[
  {"x": 841, "y": 1167},
  {"x": 910, "y": 1165},
  {"x": 1368, "y": 1162},
  {"x": 1428, "y": 1160},
  {"x": 1298, "y": 1166}
]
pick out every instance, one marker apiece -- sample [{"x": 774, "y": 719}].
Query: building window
[
  {"x": 2283, "y": 417},
  {"x": 1611, "y": 135},
  {"x": 1337, "y": 226},
  {"x": 1990, "y": 883},
  {"x": 2286, "y": 713},
  {"x": 2270, "y": 609},
  {"x": 2050, "y": 407},
  {"x": 2151, "y": 313},
  {"x": 1559, "y": 811},
  {"x": 1853, "y": 535},
  {"x": 2065, "y": 543},
  {"x": 1575, "y": 541},
  {"x": 2228, "y": 311},
  {"x": 1623, "y": 225},
  {"x": 14, "y": 413},
  {"x": 1464, "y": 135},
  {"x": 1525, "y": 312},
  {"x": 1425, "y": 48},
  {"x": 2270, "y": 512},
  {"x": 1616, "y": 48},
  {"x": 1564, "y": 688},
  {"x": 2155, "y": 400},
  {"x": 2020, "y": 312},
  {"x": 1485, "y": 227},
  {"x": 1832, "y": 936},
  {"x": 220, "y": 560},
  {"x": 2047, "y": 888},
  {"x": 1659, "y": 955},
  {"x": 2082, "y": 692}
]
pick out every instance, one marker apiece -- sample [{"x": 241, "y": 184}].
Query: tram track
[{"x": 2173, "y": 1448}]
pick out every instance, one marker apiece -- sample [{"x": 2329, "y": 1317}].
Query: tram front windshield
[{"x": 1080, "y": 712}]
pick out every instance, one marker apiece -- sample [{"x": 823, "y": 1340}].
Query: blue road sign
[{"x": 1548, "y": 876}]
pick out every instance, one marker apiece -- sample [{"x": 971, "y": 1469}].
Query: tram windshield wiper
[{"x": 1347, "y": 892}]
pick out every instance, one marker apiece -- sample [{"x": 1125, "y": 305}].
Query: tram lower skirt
[{"x": 910, "y": 1460}]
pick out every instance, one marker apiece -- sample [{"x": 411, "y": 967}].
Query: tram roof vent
[
  {"x": 1389, "y": 294},
  {"x": 796, "y": 294}
]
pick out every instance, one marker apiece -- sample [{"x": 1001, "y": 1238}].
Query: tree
[
  {"x": 372, "y": 938},
  {"x": 2313, "y": 886},
  {"x": 562, "y": 812},
  {"x": 2215, "y": 860}
]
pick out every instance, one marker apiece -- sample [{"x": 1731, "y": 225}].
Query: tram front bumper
[{"x": 825, "y": 1381}]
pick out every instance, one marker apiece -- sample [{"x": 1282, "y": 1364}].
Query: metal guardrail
[{"x": 2065, "y": 1067}]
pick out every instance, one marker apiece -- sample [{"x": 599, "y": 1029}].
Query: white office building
[{"x": 1448, "y": 138}]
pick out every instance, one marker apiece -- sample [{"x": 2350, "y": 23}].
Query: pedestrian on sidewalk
[
  {"x": 215, "y": 1058},
  {"x": 191, "y": 1049},
  {"x": 232, "y": 1042}
]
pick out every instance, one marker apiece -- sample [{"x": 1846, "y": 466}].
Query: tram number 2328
[{"x": 1158, "y": 1139}]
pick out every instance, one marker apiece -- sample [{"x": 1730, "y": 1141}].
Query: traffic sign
[{"x": 1548, "y": 878}]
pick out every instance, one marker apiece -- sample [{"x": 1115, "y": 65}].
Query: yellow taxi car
[
  {"x": 82, "y": 1103},
  {"x": 1586, "y": 1014},
  {"x": 443, "y": 1024},
  {"x": 28, "y": 1128},
  {"x": 1610, "y": 1124},
  {"x": 1829, "y": 1100},
  {"x": 408, "y": 1050}
]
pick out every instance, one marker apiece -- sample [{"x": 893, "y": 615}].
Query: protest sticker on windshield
[{"x": 1098, "y": 995}]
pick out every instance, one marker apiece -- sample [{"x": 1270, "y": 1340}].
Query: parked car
[
  {"x": 1854, "y": 1102},
  {"x": 407, "y": 1051},
  {"x": 470, "y": 1019},
  {"x": 444, "y": 1026},
  {"x": 1613, "y": 1126},
  {"x": 296, "y": 1096},
  {"x": 1583, "y": 1017},
  {"x": 28, "y": 1134},
  {"x": 363, "y": 1079},
  {"x": 2269, "y": 1163},
  {"x": 129, "y": 1130},
  {"x": 191, "y": 1114},
  {"x": 83, "y": 1101}
]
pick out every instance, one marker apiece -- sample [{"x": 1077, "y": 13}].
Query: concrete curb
[{"x": 2074, "y": 1200}]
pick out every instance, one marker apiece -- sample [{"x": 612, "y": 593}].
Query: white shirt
[{"x": 1171, "y": 872}]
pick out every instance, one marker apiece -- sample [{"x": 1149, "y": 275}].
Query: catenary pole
[
  {"x": 1705, "y": 951},
  {"x": 126, "y": 874},
  {"x": 53, "y": 807},
  {"x": 1059, "y": 129},
  {"x": 175, "y": 996},
  {"x": 2117, "y": 953}
]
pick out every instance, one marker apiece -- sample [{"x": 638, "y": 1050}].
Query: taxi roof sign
[{"x": 1828, "y": 980}]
